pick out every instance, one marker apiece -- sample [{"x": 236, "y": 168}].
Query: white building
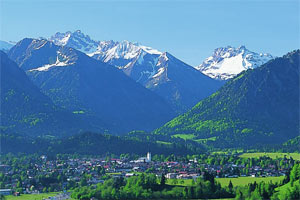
[
  {"x": 144, "y": 159},
  {"x": 149, "y": 157},
  {"x": 171, "y": 175},
  {"x": 5, "y": 191}
]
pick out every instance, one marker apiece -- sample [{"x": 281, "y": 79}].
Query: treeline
[
  {"x": 148, "y": 186},
  {"x": 136, "y": 142},
  {"x": 292, "y": 145},
  {"x": 90, "y": 144}
]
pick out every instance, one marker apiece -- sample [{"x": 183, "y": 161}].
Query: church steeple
[{"x": 149, "y": 157}]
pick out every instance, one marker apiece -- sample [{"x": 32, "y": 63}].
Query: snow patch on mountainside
[
  {"x": 227, "y": 62},
  {"x": 160, "y": 72},
  {"x": 163, "y": 59},
  {"x": 61, "y": 61},
  {"x": 150, "y": 50},
  {"x": 141, "y": 58},
  {"x": 39, "y": 43}
]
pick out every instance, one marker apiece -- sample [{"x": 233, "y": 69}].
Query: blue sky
[{"x": 190, "y": 30}]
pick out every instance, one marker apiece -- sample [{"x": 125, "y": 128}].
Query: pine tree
[
  {"x": 230, "y": 186},
  {"x": 163, "y": 180}
]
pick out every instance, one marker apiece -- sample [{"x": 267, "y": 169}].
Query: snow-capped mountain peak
[
  {"x": 101, "y": 50},
  {"x": 125, "y": 49},
  {"x": 226, "y": 62},
  {"x": 76, "y": 40},
  {"x": 61, "y": 39},
  {"x": 137, "y": 61},
  {"x": 108, "y": 50},
  {"x": 150, "y": 50}
]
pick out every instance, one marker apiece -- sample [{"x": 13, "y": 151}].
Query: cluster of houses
[{"x": 74, "y": 169}]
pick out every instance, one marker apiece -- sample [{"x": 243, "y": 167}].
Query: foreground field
[
  {"x": 31, "y": 196},
  {"x": 295, "y": 156},
  {"x": 225, "y": 181},
  {"x": 182, "y": 182},
  {"x": 246, "y": 180}
]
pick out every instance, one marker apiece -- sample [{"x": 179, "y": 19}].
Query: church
[{"x": 144, "y": 159}]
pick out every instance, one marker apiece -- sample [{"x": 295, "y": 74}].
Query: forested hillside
[{"x": 258, "y": 106}]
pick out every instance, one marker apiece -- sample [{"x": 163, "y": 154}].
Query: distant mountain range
[
  {"x": 163, "y": 73},
  {"x": 227, "y": 62},
  {"x": 259, "y": 106},
  {"x": 178, "y": 83},
  {"x": 71, "y": 83},
  {"x": 83, "y": 85},
  {"x": 5, "y": 46}
]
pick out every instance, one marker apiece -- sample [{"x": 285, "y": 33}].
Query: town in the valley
[{"x": 44, "y": 174}]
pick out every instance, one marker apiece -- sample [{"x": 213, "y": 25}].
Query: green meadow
[
  {"x": 193, "y": 137},
  {"x": 246, "y": 180},
  {"x": 295, "y": 156},
  {"x": 40, "y": 196},
  {"x": 225, "y": 181},
  {"x": 182, "y": 182},
  {"x": 184, "y": 136},
  {"x": 163, "y": 142}
]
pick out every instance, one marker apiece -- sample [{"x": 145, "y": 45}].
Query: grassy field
[
  {"x": 163, "y": 142},
  {"x": 296, "y": 156},
  {"x": 78, "y": 112},
  {"x": 247, "y": 180},
  {"x": 192, "y": 137},
  {"x": 31, "y": 196},
  {"x": 225, "y": 181},
  {"x": 228, "y": 151},
  {"x": 114, "y": 173},
  {"x": 184, "y": 136},
  {"x": 207, "y": 139},
  {"x": 183, "y": 182}
]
